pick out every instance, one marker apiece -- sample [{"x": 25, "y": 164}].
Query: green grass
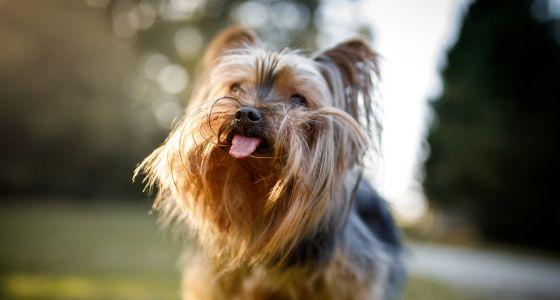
[{"x": 104, "y": 251}]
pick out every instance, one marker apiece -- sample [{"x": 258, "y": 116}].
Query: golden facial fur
[{"x": 261, "y": 162}]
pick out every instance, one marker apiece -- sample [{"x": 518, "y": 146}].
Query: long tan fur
[{"x": 248, "y": 215}]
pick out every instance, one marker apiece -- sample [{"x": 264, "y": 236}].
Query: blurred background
[{"x": 469, "y": 92}]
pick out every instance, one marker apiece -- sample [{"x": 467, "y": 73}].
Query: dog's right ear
[
  {"x": 230, "y": 38},
  {"x": 351, "y": 69}
]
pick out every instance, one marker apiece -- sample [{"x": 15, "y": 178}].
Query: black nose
[{"x": 248, "y": 114}]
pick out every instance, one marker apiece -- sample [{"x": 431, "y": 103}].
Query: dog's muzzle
[
  {"x": 248, "y": 117},
  {"x": 245, "y": 138}
]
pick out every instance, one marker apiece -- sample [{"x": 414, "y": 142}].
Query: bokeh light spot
[
  {"x": 173, "y": 79},
  {"x": 154, "y": 64},
  {"x": 166, "y": 110},
  {"x": 251, "y": 14},
  {"x": 289, "y": 15},
  {"x": 188, "y": 41}
]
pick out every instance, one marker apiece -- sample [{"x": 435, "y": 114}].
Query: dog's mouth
[{"x": 242, "y": 146}]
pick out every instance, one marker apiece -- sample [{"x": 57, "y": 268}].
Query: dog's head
[{"x": 260, "y": 158}]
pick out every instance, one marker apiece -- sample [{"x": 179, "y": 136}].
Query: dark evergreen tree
[{"x": 493, "y": 146}]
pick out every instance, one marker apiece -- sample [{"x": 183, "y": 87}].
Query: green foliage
[
  {"x": 493, "y": 151},
  {"x": 78, "y": 109}
]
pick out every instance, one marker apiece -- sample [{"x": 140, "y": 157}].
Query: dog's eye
[
  {"x": 298, "y": 99},
  {"x": 235, "y": 88}
]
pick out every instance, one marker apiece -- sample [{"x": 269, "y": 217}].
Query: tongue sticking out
[{"x": 243, "y": 146}]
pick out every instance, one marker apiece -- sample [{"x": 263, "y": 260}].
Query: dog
[{"x": 265, "y": 172}]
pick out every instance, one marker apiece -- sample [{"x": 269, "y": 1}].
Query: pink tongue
[{"x": 243, "y": 146}]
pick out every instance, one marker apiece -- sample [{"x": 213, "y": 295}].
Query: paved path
[{"x": 512, "y": 276}]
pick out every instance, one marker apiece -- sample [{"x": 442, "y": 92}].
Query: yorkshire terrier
[{"x": 265, "y": 172}]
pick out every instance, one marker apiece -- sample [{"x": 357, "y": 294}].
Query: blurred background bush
[{"x": 89, "y": 88}]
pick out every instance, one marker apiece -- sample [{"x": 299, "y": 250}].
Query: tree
[
  {"x": 493, "y": 151},
  {"x": 79, "y": 110}
]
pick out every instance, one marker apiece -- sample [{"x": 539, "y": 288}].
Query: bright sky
[{"x": 412, "y": 37}]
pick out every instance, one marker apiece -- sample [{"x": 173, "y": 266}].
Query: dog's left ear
[
  {"x": 230, "y": 38},
  {"x": 350, "y": 69}
]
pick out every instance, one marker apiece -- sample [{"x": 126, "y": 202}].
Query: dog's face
[
  {"x": 271, "y": 97},
  {"x": 260, "y": 157}
]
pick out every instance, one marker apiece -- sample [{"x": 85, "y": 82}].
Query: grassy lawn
[{"x": 104, "y": 251}]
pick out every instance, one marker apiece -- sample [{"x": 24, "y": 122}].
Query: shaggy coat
[{"x": 292, "y": 218}]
